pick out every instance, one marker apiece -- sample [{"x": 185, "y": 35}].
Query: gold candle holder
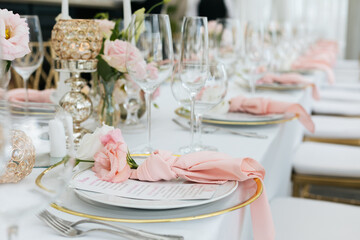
[
  {"x": 76, "y": 43},
  {"x": 22, "y": 158}
]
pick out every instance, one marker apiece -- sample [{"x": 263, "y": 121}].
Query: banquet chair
[
  {"x": 299, "y": 219},
  {"x": 327, "y": 172},
  {"x": 44, "y": 77}
]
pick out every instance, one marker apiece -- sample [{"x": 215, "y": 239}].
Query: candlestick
[
  {"x": 127, "y": 12},
  {"x": 65, "y": 9}
]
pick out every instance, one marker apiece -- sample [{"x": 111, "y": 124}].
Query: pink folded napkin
[
  {"x": 321, "y": 56},
  {"x": 267, "y": 106},
  {"x": 18, "y": 95},
  {"x": 211, "y": 167},
  {"x": 289, "y": 78}
]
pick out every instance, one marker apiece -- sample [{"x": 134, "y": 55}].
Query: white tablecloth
[{"x": 274, "y": 153}]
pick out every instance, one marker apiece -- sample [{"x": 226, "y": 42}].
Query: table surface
[{"x": 274, "y": 153}]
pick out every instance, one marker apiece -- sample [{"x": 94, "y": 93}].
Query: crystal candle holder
[{"x": 76, "y": 43}]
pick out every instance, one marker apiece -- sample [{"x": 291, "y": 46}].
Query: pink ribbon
[
  {"x": 289, "y": 78},
  {"x": 211, "y": 167},
  {"x": 267, "y": 106},
  {"x": 18, "y": 95}
]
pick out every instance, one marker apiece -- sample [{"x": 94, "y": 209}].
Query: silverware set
[
  {"x": 70, "y": 229},
  {"x": 212, "y": 129}
]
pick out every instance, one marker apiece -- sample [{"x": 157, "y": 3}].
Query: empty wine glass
[
  {"x": 151, "y": 38},
  {"x": 227, "y": 38},
  {"x": 254, "y": 50},
  {"x": 26, "y": 65},
  {"x": 212, "y": 93},
  {"x": 194, "y": 58}
]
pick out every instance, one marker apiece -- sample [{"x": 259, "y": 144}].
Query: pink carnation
[
  {"x": 110, "y": 162},
  {"x": 14, "y": 35},
  {"x": 106, "y": 27}
]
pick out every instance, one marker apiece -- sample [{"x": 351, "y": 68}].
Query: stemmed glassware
[
  {"x": 254, "y": 50},
  {"x": 194, "y": 59},
  {"x": 227, "y": 38},
  {"x": 26, "y": 65},
  {"x": 212, "y": 93},
  {"x": 152, "y": 37}
]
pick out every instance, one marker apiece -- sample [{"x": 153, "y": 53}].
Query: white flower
[{"x": 91, "y": 144}]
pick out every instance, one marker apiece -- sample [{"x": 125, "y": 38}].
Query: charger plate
[
  {"x": 246, "y": 193},
  {"x": 248, "y": 119}
]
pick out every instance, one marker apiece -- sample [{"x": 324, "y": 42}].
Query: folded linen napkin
[
  {"x": 266, "y": 106},
  {"x": 308, "y": 64},
  {"x": 289, "y": 78},
  {"x": 18, "y": 95},
  {"x": 211, "y": 167}
]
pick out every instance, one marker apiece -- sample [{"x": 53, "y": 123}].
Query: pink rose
[
  {"x": 106, "y": 27},
  {"x": 14, "y": 35},
  {"x": 110, "y": 162}
]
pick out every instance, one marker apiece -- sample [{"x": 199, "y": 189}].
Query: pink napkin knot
[
  {"x": 211, "y": 167},
  {"x": 267, "y": 106},
  {"x": 18, "y": 95},
  {"x": 289, "y": 78}
]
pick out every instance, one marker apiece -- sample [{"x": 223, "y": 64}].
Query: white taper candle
[{"x": 127, "y": 12}]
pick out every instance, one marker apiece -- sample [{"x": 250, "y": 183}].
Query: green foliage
[{"x": 102, "y": 16}]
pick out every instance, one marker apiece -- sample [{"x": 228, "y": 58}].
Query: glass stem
[
  {"x": 148, "y": 108},
  {"x": 26, "y": 97},
  {"x": 253, "y": 79},
  {"x": 12, "y": 232},
  {"x": 198, "y": 141},
  {"x": 192, "y": 121}
]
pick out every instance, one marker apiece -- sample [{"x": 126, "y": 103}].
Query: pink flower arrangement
[
  {"x": 14, "y": 35},
  {"x": 111, "y": 161},
  {"x": 106, "y": 27}
]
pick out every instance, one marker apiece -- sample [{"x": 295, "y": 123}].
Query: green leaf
[
  {"x": 131, "y": 161},
  {"x": 102, "y": 16},
  {"x": 8, "y": 65},
  {"x": 156, "y": 106},
  {"x": 106, "y": 71}
]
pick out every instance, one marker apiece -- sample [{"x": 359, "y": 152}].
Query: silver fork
[{"x": 67, "y": 228}]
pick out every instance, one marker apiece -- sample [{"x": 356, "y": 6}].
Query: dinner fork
[{"x": 67, "y": 228}]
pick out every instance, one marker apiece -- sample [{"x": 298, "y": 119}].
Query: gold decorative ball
[
  {"x": 76, "y": 39},
  {"x": 22, "y": 158}
]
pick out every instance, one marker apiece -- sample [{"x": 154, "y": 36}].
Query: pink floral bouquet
[{"x": 14, "y": 37}]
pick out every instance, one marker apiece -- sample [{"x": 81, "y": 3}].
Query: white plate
[
  {"x": 279, "y": 86},
  {"x": 242, "y": 117},
  {"x": 223, "y": 191}
]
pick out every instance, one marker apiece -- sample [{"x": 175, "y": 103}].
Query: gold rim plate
[
  {"x": 71, "y": 204},
  {"x": 287, "y": 117}
]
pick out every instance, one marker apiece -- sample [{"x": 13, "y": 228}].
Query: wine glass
[
  {"x": 212, "y": 93},
  {"x": 26, "y": 65},
  {"x": 254, "y": 50},
  {"x": 227, "y": 38},
  {"x": 150, "y": 38},
  {"x": 194, "y": 58}
]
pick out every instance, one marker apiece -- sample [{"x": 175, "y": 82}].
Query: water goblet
[
  {"x": 149, "y": 58},
  {"x": 26, "y": 65},
  {"x": 194, "y": 58},
  {"x": 254, "y": 49},
  {"x": 212, "y": 93}
]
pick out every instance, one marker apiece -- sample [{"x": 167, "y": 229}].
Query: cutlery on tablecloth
[
  {"x": 211, "y": 129},
  {"x": 67, "y": 228}
]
